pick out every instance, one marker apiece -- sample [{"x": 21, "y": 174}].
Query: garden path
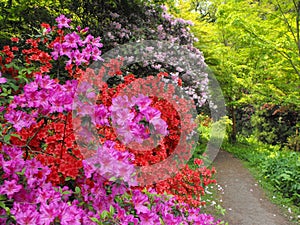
[{"x": 243, "y": 199}]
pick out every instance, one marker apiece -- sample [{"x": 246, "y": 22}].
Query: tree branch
[{"x": 288, "y": 24}]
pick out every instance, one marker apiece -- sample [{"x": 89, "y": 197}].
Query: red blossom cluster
[
  {"x": 188, "y": 184},
  {"x": 52, "y": 142},
  {"x": 6, "y": 57}
]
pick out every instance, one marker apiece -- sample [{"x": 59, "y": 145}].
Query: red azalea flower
[
  {"x": 15, "y": 39},
  {"x": 45, "y": 25}
]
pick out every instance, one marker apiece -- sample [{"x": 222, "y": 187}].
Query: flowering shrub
[
  {"x": 135, "y": 22},
  {"x": 27, "y": 198},
  {"x": 48, "y": 178},
  {"x": 183, "y": 184}
]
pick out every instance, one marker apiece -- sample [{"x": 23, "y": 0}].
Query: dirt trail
[{"x": 243, "y": 199}]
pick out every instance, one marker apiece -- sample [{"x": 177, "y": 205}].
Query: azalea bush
[{"x": 66, "y": 165}]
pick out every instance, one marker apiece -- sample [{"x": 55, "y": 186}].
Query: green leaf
[
  {"x": 111, "y": 210},
  {"x": 67, "y": 178},
  {"x": 104, "y": 214},
  {"x": 77, "y": 190},
  {"x": 2, "y": 205},
  {"x": 94, "y": 219},
  {"x": 7, "y": 138},
  {"x": 15, "y": 87},
  {"x": 22, "y": 172},
  {"x": 16, "y": 135}
]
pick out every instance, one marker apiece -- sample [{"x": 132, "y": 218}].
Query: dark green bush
[
  {"x": 282, "y": 169},
  {"x": 274, "y": 124}
]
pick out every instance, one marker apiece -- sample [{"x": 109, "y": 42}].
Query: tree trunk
[{"x": 233, "y": 131}]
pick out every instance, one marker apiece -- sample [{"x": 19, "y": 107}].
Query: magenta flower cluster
[
  {"x": 135, "y": 120},
  {"x": 35, "y": 201},
  {"x": 74, "y": 47},
  {"x": 43, "y": 96},
  {"x": 111, "y": 164}
]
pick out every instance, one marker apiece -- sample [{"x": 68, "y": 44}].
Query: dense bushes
[
  {"x": 282, "y": 170},
  {"x": 272, "y": 124},
  {"x": 276, "y": 124}
]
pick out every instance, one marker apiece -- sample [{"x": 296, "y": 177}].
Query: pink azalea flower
[
  {"x": 101, "y": 115},
  {"x": 151, "y": 113},
  {"x": 45, "y": 82},
  {"x": 160, "y": 126},
  {"x": 122, "y": 116},
  {"x": 119, "y": 103},
  {"x": 56, "y": 50},
  {"x": 125, "y": 134},
  {"x": 139, "y": 199},
  {"x": 96, "y": 54},
  {"x": 96, "y": 42},
  {"x": 87, "y": 51},
  {"x": 57, "y": 102},
  {"x": 72, "y": 40},
  {"x": 66, "y": 50},
  {"x": 49, "y": 212},
  {"x": 2, "y": 79},
  {"x": 19, "y": 119},
  {"x": 149, "y": 218},
  {"x": 31, "y": 87},
  {"x": 10, "y": 188},
  {"x": 63, "y": 21},
  {"x": 70, "y": 214},
  {"x": 124, "y": 171},
  {"x": 14, "y": 153},
  {"x": 89, "y": 38},
  {"x": 25, "y": 213},
  {"x": 79, "y": 58}
]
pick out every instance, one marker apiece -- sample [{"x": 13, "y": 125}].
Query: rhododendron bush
[{"x": 74, "y": 155}]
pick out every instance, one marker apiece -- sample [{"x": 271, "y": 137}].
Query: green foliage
[
  {"x": 275, "y": 124},
  {"x": 244, "y": 114},
  {"x": 210, "y": 130},
  {"x": 282, "y": 169},
  {"x": 253, "y": 48},
  {"x": 20, "y": 17},
  {"x": 293, "y": 142}
]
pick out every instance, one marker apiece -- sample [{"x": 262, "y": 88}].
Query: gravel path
[{"x": 243, "y": 199}]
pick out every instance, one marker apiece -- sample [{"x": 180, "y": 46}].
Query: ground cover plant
[{"x": 47, "y": 177}]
